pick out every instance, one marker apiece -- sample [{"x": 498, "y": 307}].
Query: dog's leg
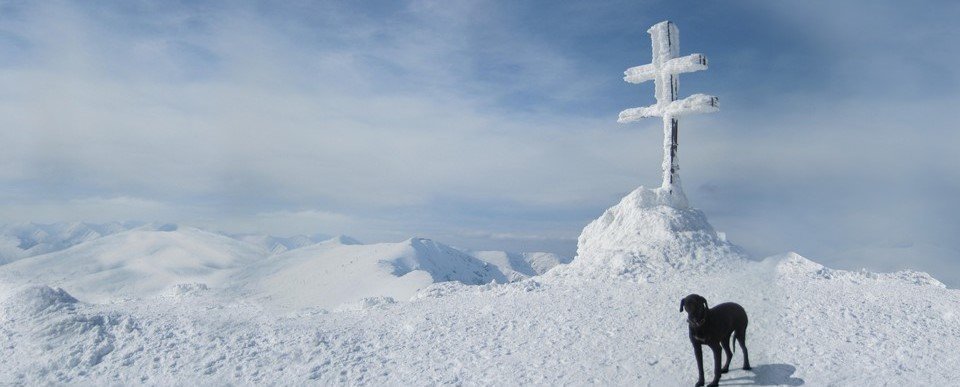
[
  {"x": 716, "y": 364},
  {"x": 742, "y": 337},
  {"x": 725, "y": 343},
  {"x": 698, "y": 353}
]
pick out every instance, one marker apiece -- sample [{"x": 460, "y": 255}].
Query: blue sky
[{"x": 486, "y": 124}]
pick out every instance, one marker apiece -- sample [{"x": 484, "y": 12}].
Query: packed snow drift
[{"x": 177, "y": 305}]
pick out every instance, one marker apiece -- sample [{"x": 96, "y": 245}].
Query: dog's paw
[
  {"x": 747, "y": 368},
  {"x": 724, "y": 370},
  {"x": 714, "y": 384},
  {"x": 699, "y": 384}
]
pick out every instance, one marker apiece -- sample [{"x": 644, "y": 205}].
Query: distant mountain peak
[{"x": 343, "y": 240}]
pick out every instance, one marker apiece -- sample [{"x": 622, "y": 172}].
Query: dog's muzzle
[{"x": 697, "y": 323}]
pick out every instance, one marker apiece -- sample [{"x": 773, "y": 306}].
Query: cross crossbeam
[
  {"x": 647, "y": 72},
  {"x": 664, "y": 70},
  {"x": 697, "y": 103}
]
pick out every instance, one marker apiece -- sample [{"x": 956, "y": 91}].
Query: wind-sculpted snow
[
  {"x": 56, "y": 334},
  {"x": 651, "y": 234},
  {"x": 35, "y": 300}
]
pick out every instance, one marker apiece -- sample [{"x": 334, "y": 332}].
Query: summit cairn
[{"x": 654, "y": 233}]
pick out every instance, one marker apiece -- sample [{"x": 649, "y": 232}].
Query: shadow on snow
[{"x": 766, "y": 375}]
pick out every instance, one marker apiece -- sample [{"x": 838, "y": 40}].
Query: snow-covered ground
[{"x": 610, "y": 317}]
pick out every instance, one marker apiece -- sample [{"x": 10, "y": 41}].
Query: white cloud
[
  {"x": 90, "y": 209},
  {"x": 301, "y": 122}
]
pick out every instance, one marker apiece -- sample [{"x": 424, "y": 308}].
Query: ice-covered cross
[{"x": 665, "y": 71}]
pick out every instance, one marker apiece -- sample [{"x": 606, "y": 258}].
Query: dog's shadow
[{"x": 767, "y": 375}]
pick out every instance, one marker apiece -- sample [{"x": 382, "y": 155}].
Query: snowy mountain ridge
[
  {"x": 279, "y": 245},
  {"x": 140, "y": 262},
  {"x": 333, "y": 273},
  {"x": 23, "y": 240},
  {"x": 518, "y": 266},
  {"x": 149, "y": 260}
]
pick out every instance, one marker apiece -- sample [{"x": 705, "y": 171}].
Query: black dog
[{"x": 712, "y": 327}]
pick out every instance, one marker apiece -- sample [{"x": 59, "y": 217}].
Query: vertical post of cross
[
  {"x": 664, "y": 70},
  {"x": 666, "y": 46}
]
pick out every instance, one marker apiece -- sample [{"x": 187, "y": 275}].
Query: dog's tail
[{"x": 733, "y": 344}]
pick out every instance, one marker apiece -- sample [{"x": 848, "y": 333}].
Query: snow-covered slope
[
  {"x": 334, "y": 272},
  {"x": 18, "y": 241},
  {"x": 136, "y": 263}
]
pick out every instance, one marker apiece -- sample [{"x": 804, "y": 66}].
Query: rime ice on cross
[{"x": 665, "y": 71}]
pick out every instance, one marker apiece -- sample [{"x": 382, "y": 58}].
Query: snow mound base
[
  {"x": 652, "y": 233},
  {"x": 36, "y": 300},
  {"x": 58, "y": 337}
]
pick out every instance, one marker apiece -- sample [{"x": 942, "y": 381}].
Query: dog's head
[{"x": 696, "y": 307}]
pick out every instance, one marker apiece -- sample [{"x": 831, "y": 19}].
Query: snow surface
[
  {"x": 805, "y": 328},
  {"x": 610, "y": 317}
]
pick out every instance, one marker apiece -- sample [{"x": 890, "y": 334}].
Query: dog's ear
[
  {"x": 681, "y": 304},
  {"x": 705, "y": 307}
]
